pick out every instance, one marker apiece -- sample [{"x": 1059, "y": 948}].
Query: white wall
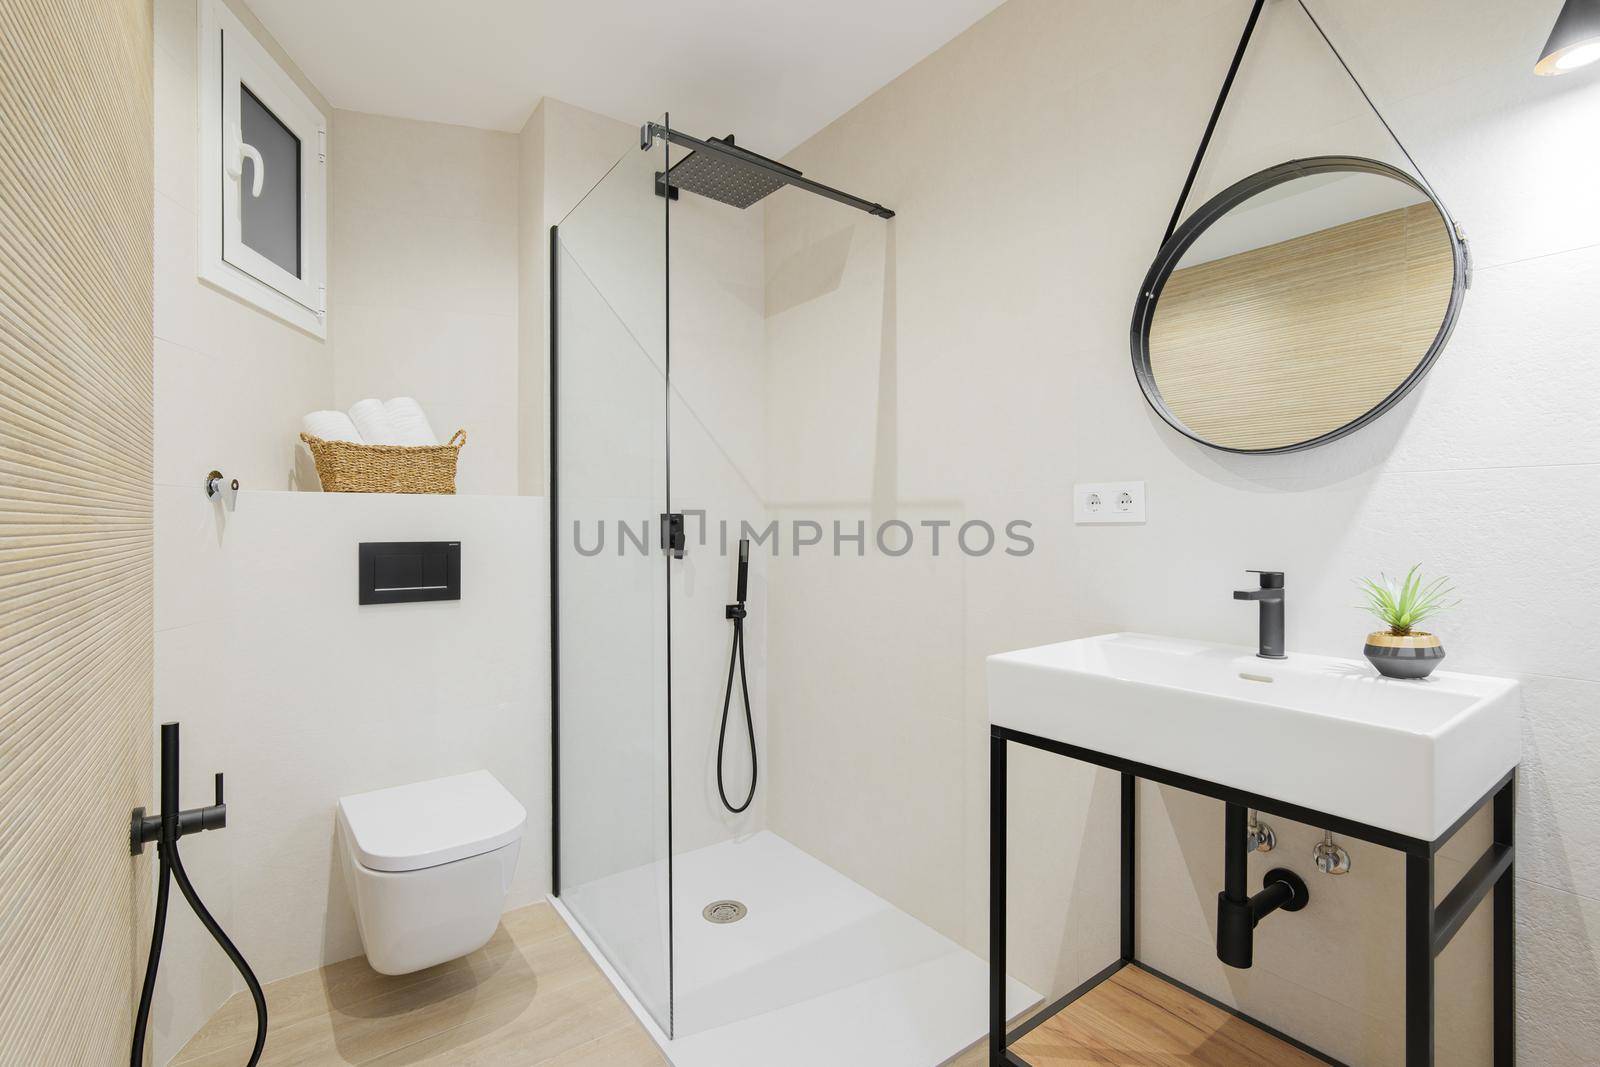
[
  {"x": 564, "y": 151},
  {"x": 423, "y": 298},
  {"x": 423, "y": 280},
  {"x": 533, "y": 298},
  {"x": 580, "y": 147},
  {"x": 1033, "y": 168},
  {"x": 231, "y": 381},
  {"x": 230, "y": 386},
  {"x": 719, "y": 459},
  {"x": 374, "y": 696},
  {"x": 301, "y": 696}
]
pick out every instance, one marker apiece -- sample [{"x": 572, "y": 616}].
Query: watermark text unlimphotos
[{"x": 891, "y": 537}]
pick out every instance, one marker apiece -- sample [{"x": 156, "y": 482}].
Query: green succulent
[{"x": 1402, "y": 606}]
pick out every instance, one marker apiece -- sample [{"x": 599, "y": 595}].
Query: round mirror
[{"x": 1298, "y": 305}]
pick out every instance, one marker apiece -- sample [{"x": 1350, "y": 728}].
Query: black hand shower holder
[
  {"x": 736, "y": 613},
  {"x": 164, "y": 830}
]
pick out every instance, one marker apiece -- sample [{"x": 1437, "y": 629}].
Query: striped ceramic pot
[{"x": 1413, "y": 656}]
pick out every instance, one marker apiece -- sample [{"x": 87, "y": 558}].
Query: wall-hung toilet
[{"x": 429, "y": 865}]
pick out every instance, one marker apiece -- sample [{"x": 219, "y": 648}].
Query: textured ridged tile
[{"x": 75, "y": 520}]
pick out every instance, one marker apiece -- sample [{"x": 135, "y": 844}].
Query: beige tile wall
[
  {"x": 75, "y": 499},
  {"x": 533, "y": 297},
  {"x": 423, "y": 280},
  {"x": 565, "y": 150}
]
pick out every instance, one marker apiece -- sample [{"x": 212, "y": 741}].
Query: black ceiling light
[{"x": 1575, "y": 42}]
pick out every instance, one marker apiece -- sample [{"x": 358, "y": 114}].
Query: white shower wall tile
[
  {"x": 1508, "y": 156},
  {"x": 1557, "y": 934},
  {"x": 1558, "y": 837},
  {"x": 1514, "y": 354}
]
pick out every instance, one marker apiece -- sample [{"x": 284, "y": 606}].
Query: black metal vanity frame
[{"x": 1428, "y": 928}]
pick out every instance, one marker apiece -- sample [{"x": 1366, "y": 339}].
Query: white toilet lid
[{"x": 424, "y": 824}]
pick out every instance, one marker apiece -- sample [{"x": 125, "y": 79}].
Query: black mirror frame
[{"x": 1167, "y": 258}]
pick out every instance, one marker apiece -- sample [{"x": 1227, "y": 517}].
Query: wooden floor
[
  {"x": 531, "y": 996},
  {"x": 1135, "y": 1018}
]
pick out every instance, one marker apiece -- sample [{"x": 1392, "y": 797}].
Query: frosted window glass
[{"x": 270, "y": 223}]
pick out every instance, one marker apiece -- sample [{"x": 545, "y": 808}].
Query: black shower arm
[{"x": 651, "y": 130}]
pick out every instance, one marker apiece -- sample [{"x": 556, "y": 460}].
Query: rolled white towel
[
  {"x": 331, "y": 426},
  {"x": 410, "y": 425},
  {"x": 373, "y": 422}
]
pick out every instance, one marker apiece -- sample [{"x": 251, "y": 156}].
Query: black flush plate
[{"x": 401, "y": 572}]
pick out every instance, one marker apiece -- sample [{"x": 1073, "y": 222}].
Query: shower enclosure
[{"x": 722, "y": 358}]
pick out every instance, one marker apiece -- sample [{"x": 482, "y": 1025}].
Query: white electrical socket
[{"x": 1108, "y": 502}]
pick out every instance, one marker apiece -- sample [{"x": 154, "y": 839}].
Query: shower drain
[{"x": 723, "y": 911}]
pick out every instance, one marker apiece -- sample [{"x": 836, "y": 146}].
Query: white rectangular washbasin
[{"x": 1328, "y": 734}]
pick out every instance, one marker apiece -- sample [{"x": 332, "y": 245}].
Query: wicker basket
[{"x": 346, "y": 467}]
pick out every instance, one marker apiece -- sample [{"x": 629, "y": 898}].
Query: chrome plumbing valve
[
  {"x": 1261, "y": 838},
  {"x": 1329, "y": 857}
]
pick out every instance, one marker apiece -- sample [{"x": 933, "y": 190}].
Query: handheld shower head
[
  {"x": 744, "y": 568},
  {"x": 736, "y": 613}
]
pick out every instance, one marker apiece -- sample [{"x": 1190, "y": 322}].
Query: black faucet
[{"x": 1270, "y": 597}]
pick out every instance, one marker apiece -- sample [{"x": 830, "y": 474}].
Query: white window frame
[{"x": 230, "y": 56}]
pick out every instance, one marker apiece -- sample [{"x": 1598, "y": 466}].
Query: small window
[
  {"x": 263, "y": 160},
  {"x": 270, "y": 222}
]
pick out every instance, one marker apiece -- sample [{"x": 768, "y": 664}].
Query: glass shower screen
[{"x": 609, "y": 577}]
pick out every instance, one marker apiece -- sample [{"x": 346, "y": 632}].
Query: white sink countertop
[{"x": 1325, "y": 733}]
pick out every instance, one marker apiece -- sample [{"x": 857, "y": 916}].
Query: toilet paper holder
[{"x": 226, "y": 488}]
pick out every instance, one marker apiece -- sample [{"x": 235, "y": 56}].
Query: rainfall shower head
[
  {"x": 729, "y": 175},
  {"x": 720, "y": 170}
]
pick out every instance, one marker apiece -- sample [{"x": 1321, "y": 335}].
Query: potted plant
[{"x": 1401, "y": 650}]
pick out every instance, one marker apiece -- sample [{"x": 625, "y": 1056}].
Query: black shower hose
[
  {"x": 736, "y": 659},
  {"x": 172, "y": 868}
]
